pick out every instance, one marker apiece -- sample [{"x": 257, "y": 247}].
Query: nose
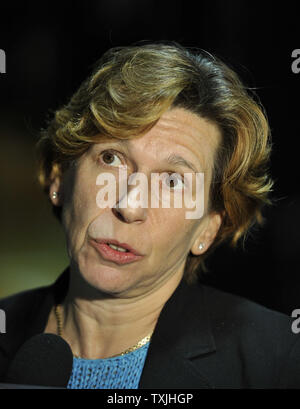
[{"x": 129, "y": 209}]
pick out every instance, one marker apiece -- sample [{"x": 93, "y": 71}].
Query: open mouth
[
  {"x": 120, "y": 253},
  {"x": 117, "y": 248}
]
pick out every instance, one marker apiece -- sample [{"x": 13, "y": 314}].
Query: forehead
[
  {"x": 178, "y": 132},
  {"x": 185, "y": 133}
]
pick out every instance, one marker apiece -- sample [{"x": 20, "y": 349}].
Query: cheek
[
  {"x": 79, "y": 209},
  {"x": 172, "y": 232}
]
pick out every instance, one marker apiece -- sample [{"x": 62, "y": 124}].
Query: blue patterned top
[{"x": 120, "y": 372}]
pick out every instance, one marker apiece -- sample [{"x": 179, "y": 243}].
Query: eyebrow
[
  {"x": 180, "y": 161},
  {"x": 172, "y": 159}
]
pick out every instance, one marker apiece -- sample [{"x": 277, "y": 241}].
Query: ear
[
  {"x": 55, "y": 185},
  {"x": 207, "y": 233}
]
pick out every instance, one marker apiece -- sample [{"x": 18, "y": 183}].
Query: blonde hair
[{"x": 129, "y": 90}]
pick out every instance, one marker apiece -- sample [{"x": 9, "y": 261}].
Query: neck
[{"x": 107, "y": 325}]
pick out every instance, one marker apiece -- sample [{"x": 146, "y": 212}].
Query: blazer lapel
[{"x": 182, "y": 332}]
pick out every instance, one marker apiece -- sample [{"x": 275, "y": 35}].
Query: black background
[{"x": 50, "y": 49}]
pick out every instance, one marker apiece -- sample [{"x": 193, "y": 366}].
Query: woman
[{"x": 129, "y": 304}]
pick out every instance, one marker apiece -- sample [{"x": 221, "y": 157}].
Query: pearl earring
[
  {"x": 54, "y": 195},
  {"x": 201, "y": 246}
]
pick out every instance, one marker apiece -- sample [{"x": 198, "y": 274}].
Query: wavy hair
[{"x": 126, "y": 94}]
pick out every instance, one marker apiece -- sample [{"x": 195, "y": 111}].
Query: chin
[{"x": 110, "y": 280}]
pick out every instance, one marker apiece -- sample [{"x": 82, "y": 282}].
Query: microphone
[{"x": 43, "y": 360}]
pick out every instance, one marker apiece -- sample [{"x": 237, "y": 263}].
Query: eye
[
  {"x": 110, "y": 158},
  {"x": 175, "y": 181}
]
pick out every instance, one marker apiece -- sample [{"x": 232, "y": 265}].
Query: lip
[{"x": 101, "y": 245}]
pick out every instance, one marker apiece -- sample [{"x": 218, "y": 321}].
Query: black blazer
[{"x": 204, "y": 338}]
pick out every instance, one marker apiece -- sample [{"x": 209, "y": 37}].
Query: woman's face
[{"x": 162, "y": 236}]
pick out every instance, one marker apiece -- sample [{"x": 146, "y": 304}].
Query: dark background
[{"x": 50, "y": 48}]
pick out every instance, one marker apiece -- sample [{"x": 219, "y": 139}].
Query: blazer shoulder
[
  {"x": 28, "y": 299},
  {"x": 255, "y": 344},
  {"x": 22, "y": 311},
  {"x": 224, "y": 304},
  {"x": 23, "y": 301},
  {"x": 250, "y": 323}
]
